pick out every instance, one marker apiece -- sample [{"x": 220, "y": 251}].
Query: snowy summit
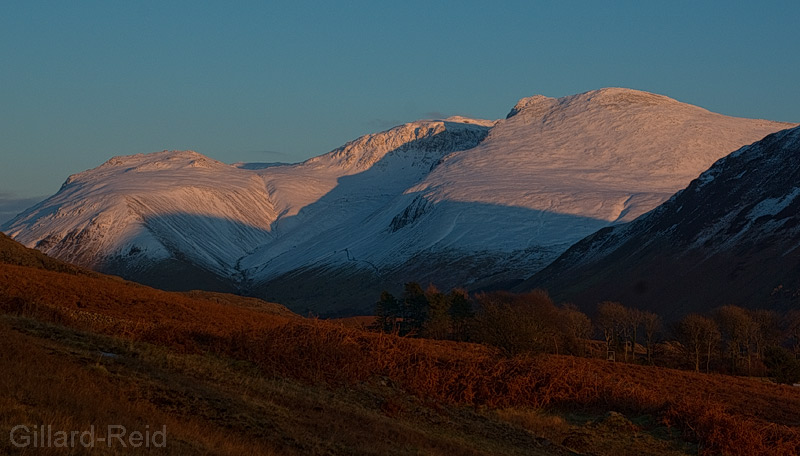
[{"x": 456, "y": 201}]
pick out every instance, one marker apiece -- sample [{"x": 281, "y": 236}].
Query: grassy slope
[
  {"x": 12, "y": 252},
  {"x": 221, "y": 406},
  {"x": 211, "y": 405},
  {"x": 234, "y": 377}
]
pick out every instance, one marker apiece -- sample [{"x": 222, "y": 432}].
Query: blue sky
[{"x": 282, "y": 81}]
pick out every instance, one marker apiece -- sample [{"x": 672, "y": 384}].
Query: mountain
[
  {"x": 456, "y": 202},
  {"x": 730, "y": 237}
]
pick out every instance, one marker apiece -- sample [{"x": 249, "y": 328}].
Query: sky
[{"x": 277, "y": 81}]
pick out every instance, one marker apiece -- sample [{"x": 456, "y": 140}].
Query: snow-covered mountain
[
  {"x": 456, "y": 201},
  {"x": 731, "y": 237}
]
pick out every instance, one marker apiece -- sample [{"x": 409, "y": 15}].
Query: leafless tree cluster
[{"x": 729, "y": 339}]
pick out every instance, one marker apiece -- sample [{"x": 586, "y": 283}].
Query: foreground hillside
[
  {"x": 13, "y": 253},
  {"x": 459, "y": 202},
  {"x": 234, "y": 379},
  {"x": 731, "y": 237}
]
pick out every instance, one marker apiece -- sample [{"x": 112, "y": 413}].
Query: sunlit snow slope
[
  {"x": 731, "y": 237},
  {"x": 456, "y": 201}
]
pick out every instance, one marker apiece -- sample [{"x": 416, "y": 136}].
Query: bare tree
[
  {"x": 517, "y": 323},
  {"x": 610, "y": 321},
  {"x": 652, "y": 326},
  {"x": 689, "y": 334},
  {"x": 633, "y": 320},
  {"x": 576, "y": 328},
  {"x": 736, "y": 326},
  {"x": 698, "y": 335},
  {"x": 711, "y": 338}
]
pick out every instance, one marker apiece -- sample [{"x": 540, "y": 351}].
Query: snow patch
[{"x": 772, "y": 206}]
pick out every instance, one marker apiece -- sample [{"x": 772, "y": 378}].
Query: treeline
[
  {"x": 739, "y": 341},
  {"x": 425, "y": 313},
  {"x": 514, "y": 323},
  {"x": 729, "y": 339}
]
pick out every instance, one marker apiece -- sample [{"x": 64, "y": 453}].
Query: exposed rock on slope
[{"x": 731, "y": 237}]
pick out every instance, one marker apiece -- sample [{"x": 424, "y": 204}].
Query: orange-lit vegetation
[
  {"x": 729, "y": 339},
  {"x": 726, "y": 415},
  {"x": 45, "y": 382}
]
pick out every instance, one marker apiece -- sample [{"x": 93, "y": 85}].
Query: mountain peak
[
  {"x": 436, "y": 136},
  {"x": 620, "y": 95},
  {"x": 155, "y": 161},
  {"x": 736, "y": 227},
  {"x": 163, "y": 156},
  {"x": 166, "y": 159},
  {"x": 608, "y": 96},
  {"x": 534, "y": 103}
]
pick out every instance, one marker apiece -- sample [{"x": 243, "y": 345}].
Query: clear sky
[{"x": 81, "y": 81}]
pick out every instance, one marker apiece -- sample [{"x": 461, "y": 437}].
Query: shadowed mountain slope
[{"x": 731, "y": 237}]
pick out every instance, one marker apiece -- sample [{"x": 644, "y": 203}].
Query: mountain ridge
[{"x": 470, "y": 202}]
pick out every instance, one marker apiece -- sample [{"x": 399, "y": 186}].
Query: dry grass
[
  {"x": 114, "y": 306},
  {"x": 722, "y": 432},
  {"x": 610, "y": 433},
  {"x": 214, "y": 405},
  {"x": 551, "y": 426},
  {"x": 726, "y": 415},
  {"x": 42, "y": 385}
]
